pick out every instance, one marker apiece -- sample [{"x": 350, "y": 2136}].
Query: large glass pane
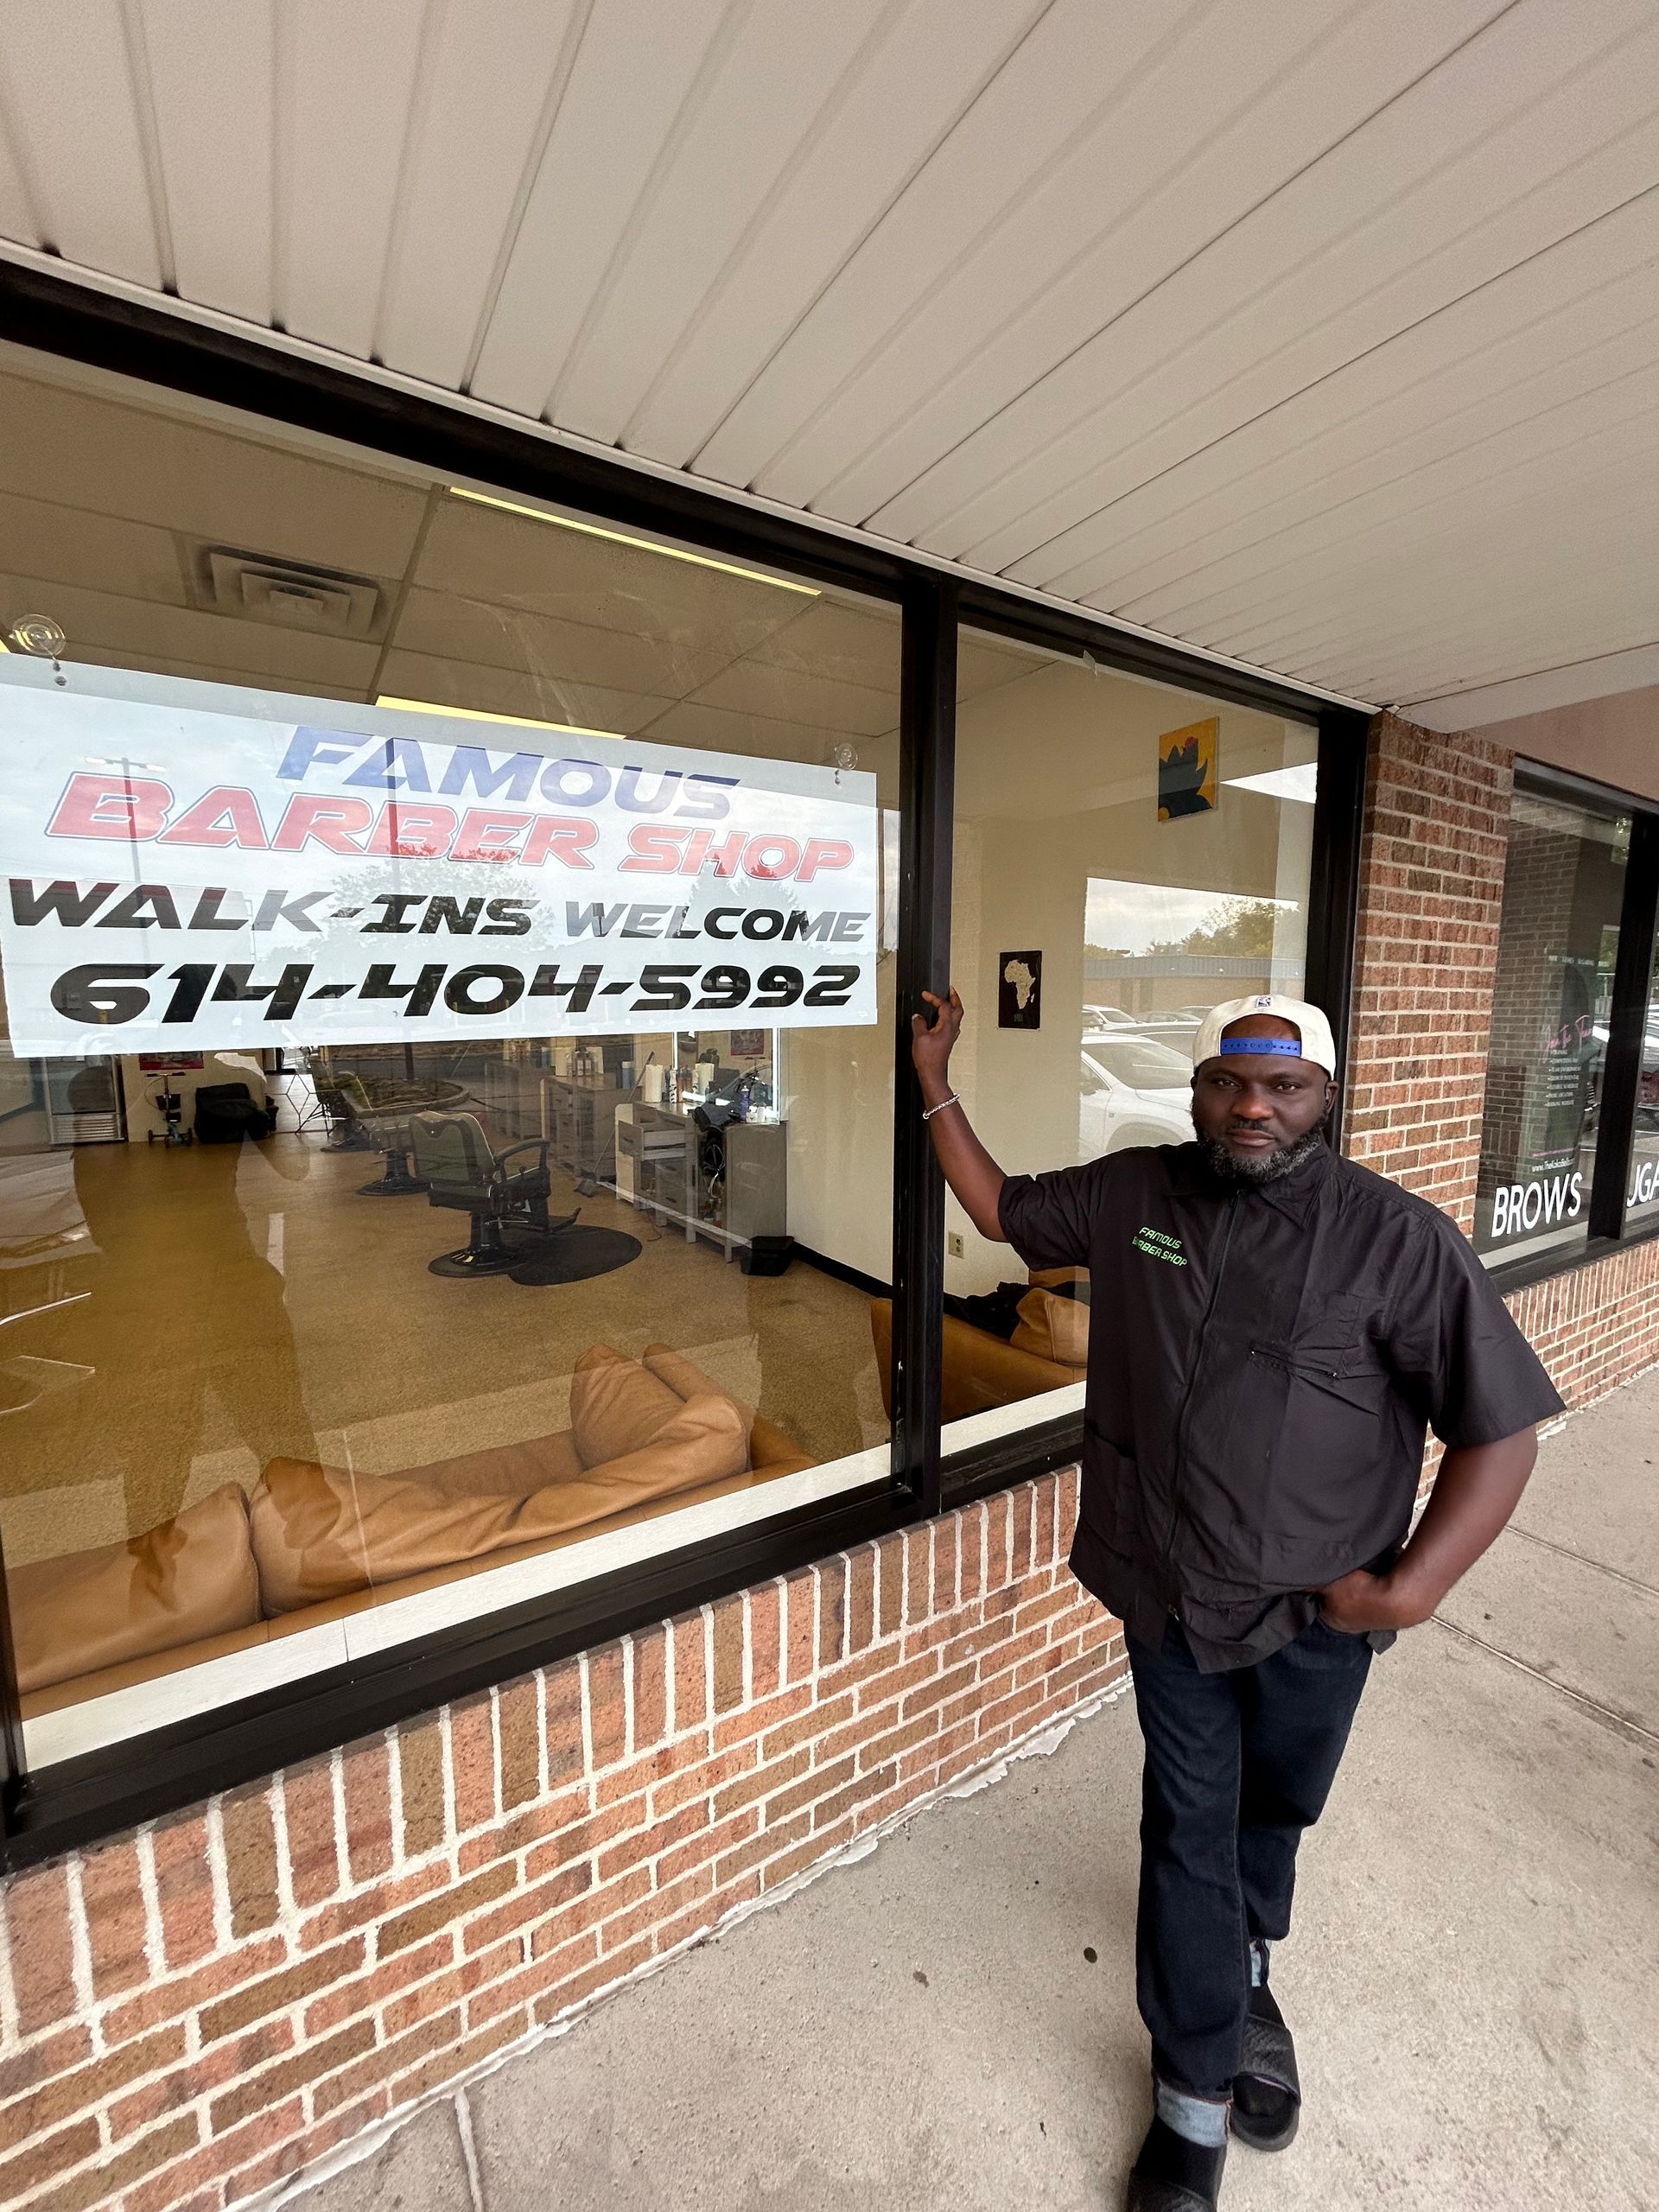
[
  {"x": 446, "y": 1116},
  {"x": 1563, "y": 889},
  {"x": 1127, "y": 856}
]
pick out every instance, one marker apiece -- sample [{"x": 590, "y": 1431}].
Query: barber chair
[
  {"x": 498, "y": 1191},
  {"x": 340, "y": 1097}
]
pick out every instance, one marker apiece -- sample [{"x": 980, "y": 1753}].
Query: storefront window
[
  {"x": 1642, "y": 1201},
  {"x": 1563, "y": 891},
  {"x": 445, "y": 1111},
  {"x": 1127, "y": 856}
]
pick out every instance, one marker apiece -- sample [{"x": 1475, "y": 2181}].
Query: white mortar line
[
  {"x": 80, "y": 1950},
  {"x": 154, "y": 1949}
]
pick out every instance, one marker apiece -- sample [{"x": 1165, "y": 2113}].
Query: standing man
[{"x": 1273, "y": 1331}]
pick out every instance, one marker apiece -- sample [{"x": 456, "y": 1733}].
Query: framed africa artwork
[{"x": 1019, "y": 990}]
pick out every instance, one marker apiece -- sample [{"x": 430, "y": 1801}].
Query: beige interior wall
[{"x": 144, "y": 1116}]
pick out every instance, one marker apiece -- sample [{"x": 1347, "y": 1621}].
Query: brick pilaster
[{"x": 1431, "y": 896}]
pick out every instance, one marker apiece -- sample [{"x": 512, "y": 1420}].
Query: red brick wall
[
  {"x": 1431, "y": 894},
  {"x": 1595, "y": 1327},
  {"x": 195, "y": 2010}
]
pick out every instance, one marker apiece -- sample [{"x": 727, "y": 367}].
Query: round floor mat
[{"x": 575, "y": 1255}]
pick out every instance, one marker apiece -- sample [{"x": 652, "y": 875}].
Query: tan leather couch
[
  {"x": 1048, "y": 1349},
  {"x": 313, "y": 1542}
]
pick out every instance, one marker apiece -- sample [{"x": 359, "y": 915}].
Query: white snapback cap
[{"x": 1318, "y": 1044}]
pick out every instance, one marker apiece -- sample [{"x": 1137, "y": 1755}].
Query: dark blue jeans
[{"x": 1237, "y": 1765}]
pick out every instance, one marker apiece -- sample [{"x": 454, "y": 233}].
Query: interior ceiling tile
[
  {"x": 212, "y": 84},
  {"x": 199, "y": 672},
  {"x": 927, "y": 61},
  {"x": 1312, "y": 277},
  {"x": 833, "y": 637},
  {"x": 767, "y": 94},
  {"x": 636, "y": 67},
  {"x": 1078, "y": 65},
  {"x": 70, "y": 545},
  {"x": 485, "y": 104},
  {"x": 982, "y": 666},
  {"x": 17, "y": 217},
  {"x": 513, "y": 561},
  {"x": 751, "y": 687},
  {"x": 76, "y": 138},
  {"x": 1441, "y": 384},
  {"x": 464, "y": 628},
  {"x": 547, "y": 698},
  {"x": 1224, "y": 118},
  {"x": 68, "y": 448},
  {"x": 756, "y": 736},
  {"x": 345, "y": 81},
  {"x": 119, "y": 625}
]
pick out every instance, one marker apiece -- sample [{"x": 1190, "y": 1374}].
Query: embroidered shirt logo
[{"x": 1157, "y": 1245}]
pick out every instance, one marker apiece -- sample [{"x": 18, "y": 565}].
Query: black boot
[{"x": 1171, "y": 2175}]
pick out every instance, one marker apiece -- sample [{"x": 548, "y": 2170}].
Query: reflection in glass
[
  {"x": 327, "y": 1331},
  {"x": 1642, "y": 1201},
  {"x": 1149, "y": 905},
  {"x": 1563, "y": 890}
]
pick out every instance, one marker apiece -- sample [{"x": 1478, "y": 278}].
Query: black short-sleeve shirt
[{"x": 1264, "y": 1365}]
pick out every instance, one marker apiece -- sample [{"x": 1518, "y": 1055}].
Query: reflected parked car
[
  {"x": 1134, "y": 1090},
  {"x": 1105, "y": 1021}
]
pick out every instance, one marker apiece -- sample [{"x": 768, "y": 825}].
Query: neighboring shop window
[
  {"x": 1642, "y": 1199},
  {"x": 1127, "y": 856},
  {"x": 1552, "y": 997},
  {"x": 446, "y": 1131}
]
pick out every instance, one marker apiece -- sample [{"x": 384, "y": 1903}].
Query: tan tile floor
[{"x": 247, "y": 1302}]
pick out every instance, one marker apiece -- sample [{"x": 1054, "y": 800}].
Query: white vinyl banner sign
[{"x": 189, "y": 866}]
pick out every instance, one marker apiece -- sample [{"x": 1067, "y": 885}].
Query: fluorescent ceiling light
[
  {"x": 645, "y": 545},
  {"x": 517, "y": 722},
  {"x": 1299, "y": 783}
]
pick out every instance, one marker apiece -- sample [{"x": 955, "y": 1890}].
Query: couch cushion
[
  {"x": 320, "y": 1533},
  {"x": 1053, "y": 1328},
  {"x": 191, "y": 1577},
  {"x": 772, "y": 1451},
  {"x": 616, "y": 1405}
]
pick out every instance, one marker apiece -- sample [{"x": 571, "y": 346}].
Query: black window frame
[
  {"x": 76, "y": 1802},
  {"x": 1607, "y": 1230}
]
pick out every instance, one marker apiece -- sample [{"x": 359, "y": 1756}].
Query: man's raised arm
[{"x": 973, "y": 1175}]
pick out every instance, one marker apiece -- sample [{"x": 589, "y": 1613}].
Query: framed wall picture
[
  {"x": 1187, "y": 769},
  {"x": 1019, "y": 990}
]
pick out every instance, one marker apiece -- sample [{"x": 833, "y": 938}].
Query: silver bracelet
[{"x": 928, "y": 1112}]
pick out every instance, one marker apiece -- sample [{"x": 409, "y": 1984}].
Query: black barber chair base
[
  {"x": 396, "y": 1182},
  {"x": 490, "y": 1253}
]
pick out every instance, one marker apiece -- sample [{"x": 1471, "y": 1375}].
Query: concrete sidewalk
[{"x": 949, "y": 2022}]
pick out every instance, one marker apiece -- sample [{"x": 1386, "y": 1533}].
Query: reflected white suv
[{"x": 1134, "y": 1090}]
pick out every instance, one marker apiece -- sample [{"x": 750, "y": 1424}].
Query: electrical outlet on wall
[{"x": 953, "y": 1243}]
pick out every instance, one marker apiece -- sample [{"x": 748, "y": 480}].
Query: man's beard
[{"x": 1263, "y": 1166}]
